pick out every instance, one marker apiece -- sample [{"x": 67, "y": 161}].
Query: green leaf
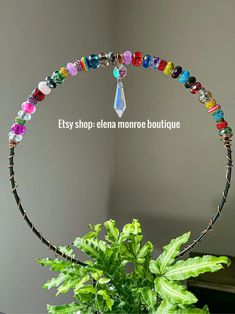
[
  {"x": 55, "y": 282},
  {"x": 154, "y": 267},
  {"x": 108, "y": 300},
  {"x": 80, "y": 283},
  {"x": 67, "y": 250},
  {"x": 146, "y": 249},
  {"x": 72, "y": 308},
  {"x": 164, "y": 308},
  {"x": 67, "y": 285},
  {"x": 130, "y": 230},
  {"x": 103, "y": 281},
  {"x": 87, "y": 289},
  {"x": 112, "y": 231},
  {"x": 172, "y": 292},
  {"x": 189, "y": 310},
  {"x": 196, "y": 266},
  {"x": 56, "y": 264},
  {"x": 149, "y": 297},
  {"x": 171, "y": 251},
  {"x": 92, "y": 247},
  {"x": 95, "y": 230}
]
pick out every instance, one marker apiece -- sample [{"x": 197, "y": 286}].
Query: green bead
[
  {"x": 58, "y": 77},
  {"x": 225, "y": 131},
  {"x": 20, "y": 121}
]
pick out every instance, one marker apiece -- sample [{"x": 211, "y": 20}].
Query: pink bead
[
  {"x": 72, "y": 69},
  {"x": 127, "y": 57},
  {"x": 28, "y": 107},
  {"x": 18, "y": 129}
]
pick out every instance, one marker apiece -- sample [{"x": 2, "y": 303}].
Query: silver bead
[
  {"x": 104, "y": 59},
  {"x": 112, "y": 57},
  {"x": 204, "y": 95}
]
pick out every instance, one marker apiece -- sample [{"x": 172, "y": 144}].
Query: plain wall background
[{"x": 172, "y": 181}]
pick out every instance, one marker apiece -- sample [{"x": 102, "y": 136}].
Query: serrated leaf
[
  {"x": 172, "y": 292},
  {"x": 56, "y": 264},
  {"x": 103, "y": 281},
  {"x": 195, "y": 266},
  {"x": 97, "y": 274},
  {"x": 112, "y": 231},
  {"x": 92, "y": 247},
  {"x": 149, "y": 297},
  {"x": 189, "y": 310},
  {"x": 67, "y": 285},
  {"x": 67, "y": 250},
  {"x": 170, "y": 252},
  {"x": 80, "y": 283},
  {"x": 146, "y": 249},
  {"x": 106, "y": 297},
  {"x": 93, "y": 234},
  {"x": 87, "y": 289},
  {"x": 154, "y": 267},
  {"x": 131, "y": 229},
  {"x": 55, "y": 282},
  {"x": 72, "y": 308},
  {"x": 165, "y": 308}
]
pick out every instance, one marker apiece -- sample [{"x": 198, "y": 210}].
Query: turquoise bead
[
  {"x": 184, "y": 77},
  {"x": 218, "y": 114}
]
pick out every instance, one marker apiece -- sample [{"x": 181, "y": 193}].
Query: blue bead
[
  {"x": 218, "y": 115},
  {"x": 93, "y": 61},
  {"x": 147, "y": 61},
  {"x": 184, "y": 76}
]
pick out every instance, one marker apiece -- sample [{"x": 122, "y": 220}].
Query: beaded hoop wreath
[{"x": 119, "y": 60}]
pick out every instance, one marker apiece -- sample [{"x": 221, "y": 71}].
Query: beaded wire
[{"x": 104, "y": 59}]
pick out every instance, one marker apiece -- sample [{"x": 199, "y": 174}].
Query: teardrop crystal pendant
[
  {"x": 120, "y": 101},
  {"x": 119, "y": 73}
]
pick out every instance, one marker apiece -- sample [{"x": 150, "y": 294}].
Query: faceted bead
[
  {"x": 120, "y": 71},
  {"x": 78, "y": 65},
  {"x": 28, "y": 107},
  {"x": 196, "y": 88},
  {"x": 20, "y": 121},
  {"x": 218, "y": 115},
  {"x": 112, "y": 57},
  {"x": 211, "y": 103},
  {"x": 38, "y": 95},
  {"x": 24, "y": 115},
  {"x": 103, "y": 59},
  {"x": 214, "y": 109},
  {"x": 184, "y": 76},
  {"x": 155, "y": 63},
  {"x": 120, "y": 58},
  {"x": 147, "y": 61},
  {"x": 162, "y": 65},
  {"x": 50, "y": 82},
  {"x": 227, "y": 130},
  {"x": 222, "y": 125},
  {"x": 127, "y": 57},
  {"x": 190, "y": 82},
  {"x": 85, "y": 63},
  {"x": 32, "y": 100},
  {"x": 44, "y": 88},
  {"x": 15, "y": 137},
  {"x": 94, "y": 61},
  {"x": 204, "y": 97},
  {"x": 57, "y": 77},
  {"x": 64, "y": 72},
  {"x": 18, "y": 129},
  {"x": 176, "y": 72},
  {"x": 120, "y": 101},
  {"x": 137, "y": 58},
  {"x": 169, "y": 68}
]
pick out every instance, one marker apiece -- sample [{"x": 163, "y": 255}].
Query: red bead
[
  {"x": 162, "y": 65},
  {"x": 196, "y": 88},
  {"x": 137, "y": 58},
  {"x": 37, "y": 94},
  {"x": 222, "y": 125}
]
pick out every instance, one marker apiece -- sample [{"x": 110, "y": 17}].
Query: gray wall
[{"x": 170, "y": 180}]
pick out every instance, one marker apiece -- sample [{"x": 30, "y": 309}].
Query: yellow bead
[
  {"x": 64, "y": 72},
  {"x": 169, "y": 68},
  {"x": 211, "y": 103}
]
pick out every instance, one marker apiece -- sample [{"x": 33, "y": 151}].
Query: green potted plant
[{"x": 120, "y": 275}]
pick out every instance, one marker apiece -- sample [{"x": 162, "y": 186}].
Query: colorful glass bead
[
  {"x": 15, "y": 137},
  {"x": 94, "y": 61},
  {"x": 227, "y": 130},
  {"x": 137, "y": 58},
  {"x": 155, "y": 63},
  {"x": 127, "y": 57},
  {"x": 162, "y": 65},
  {"x": 196, "y": 88},
  {"x": 147, "y": 60},
  {"x": 218, "y": 114},
  {"x": 169, "y": 68},
  {"x": 85, "y": 63},
  {"x": 120, "y": 58},
  {"x": 64, "y": 72},
  {"x": 176, "y": 72},
  {"x": 78, "y": 65},
  {"x": 57, "y": 77},
  {"x": 119, "y": 101},
  {"x": 20, "y": 121},
  {"x": 50, "y": 82},
  {"x": 44, "y": 88},
  {"x": 222, "y": 125},
  {"x": 184, "y": 76},
  {"x": 28, "y": 107},
  {"x": 24, "y": 115},
  {"x": 119, "y": 71},
  {"x": 205, "y": 96},
  {"x": 214, "y": 109},
  {"x": 190, "y": 82},
  {"x": 32, "y": 100},
  {"x": 37, "y": 94},
  {"x": 112, "y": 57},
  {"x": 211, "y": 103},
  {"x": 18, "y": 129},
  {"x": 103, "y": 59}
]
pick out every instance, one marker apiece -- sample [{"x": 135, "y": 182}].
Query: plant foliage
[{"x": 120, "y": 275}]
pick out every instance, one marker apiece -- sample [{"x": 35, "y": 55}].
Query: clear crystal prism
[{"x": 120, "y": 101}]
